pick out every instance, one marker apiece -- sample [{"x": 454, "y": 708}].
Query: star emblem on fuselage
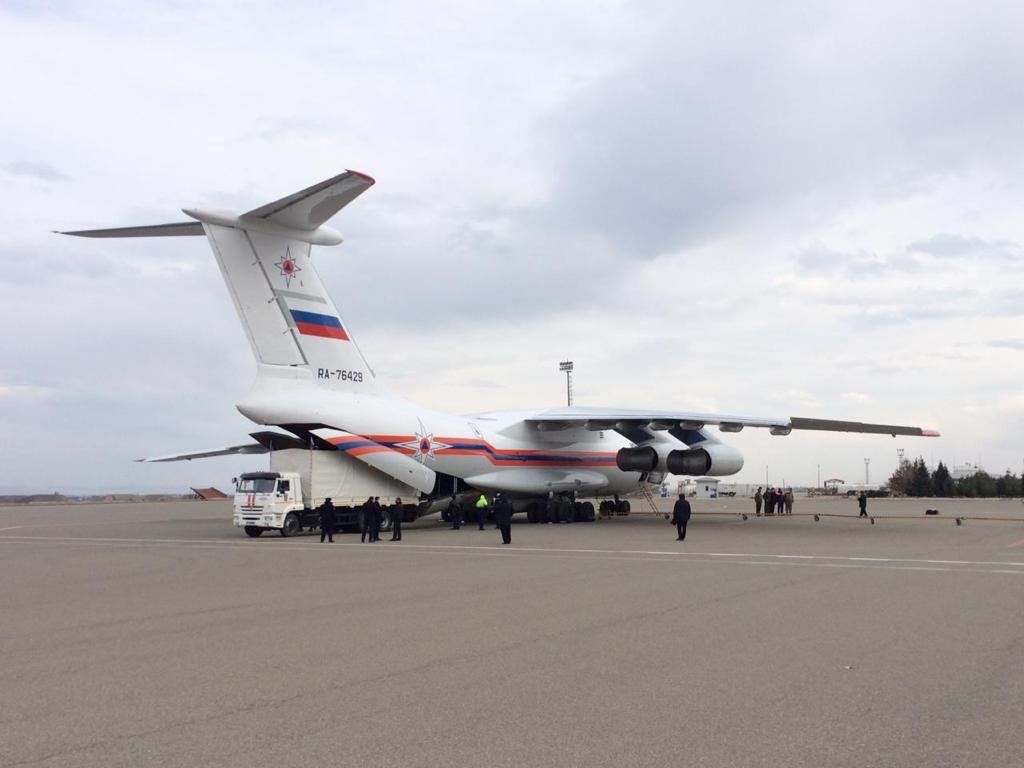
[
  {"x": 424, "y": 446},
  {"x": 289, "y": 267}
]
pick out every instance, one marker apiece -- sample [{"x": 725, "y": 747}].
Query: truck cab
[{"x": 271, "y": 501}]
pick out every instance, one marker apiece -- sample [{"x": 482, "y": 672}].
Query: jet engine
[
  {"x": 713, "y": 459},
  {"x": 636, "y": 459}
]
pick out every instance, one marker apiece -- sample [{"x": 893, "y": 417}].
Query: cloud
[
  {"x": 40, "y": 171},
  {"x": 1008, "y": 344},
  {"x": 857, "y": 397},
  {"x": 946, "y": 246},
  {"x": 705, "y": 207},
  {"x": 23, "y": 392}
]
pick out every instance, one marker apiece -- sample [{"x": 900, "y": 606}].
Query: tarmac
[{"x": 159, "y": 635}]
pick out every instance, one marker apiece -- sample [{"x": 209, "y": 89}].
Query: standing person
[
  {"x": 503, "y": 516},
  {"x": 862, "y": 502},
  {"x": 551, "y": 508},
  {"x": 779, "y": 498},
  {"x": 481, "y": 511},
  {"x": 326, "y": 511},
  {"x": 396, "y": 520},
  {"x": 757, "y": 501},
  {"x": 681, "y": 516},
  {"x": 365, "y": 516},
  {"x": 375, "y": 519},
  {"x": 455, "y": 513},
  {"x": 769, "y": 501},
  {"x": 789, "y": 501}
]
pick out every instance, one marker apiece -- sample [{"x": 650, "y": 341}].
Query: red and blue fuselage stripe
[
  {"x": 314, "y": 324},
  {"x": 454, "y": 446}
]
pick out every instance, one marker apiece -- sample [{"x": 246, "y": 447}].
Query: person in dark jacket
[
  {"x": 862, "y": 502},
  {"x": 326, "y": 511},
  {"x": 503, "y": 517},
  {"x": 396, "y": 520},
  {"x": 455, "y": 513},
  {"x": 681, "y": 516},
  {"x": 375, "y": 519},
  {"x": 551, "y": 508},
  {"x": 757, "y": 501},
  {"x": 366, "y": 515}
]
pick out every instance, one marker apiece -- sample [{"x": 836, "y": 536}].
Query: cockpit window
[{"x": 256, "y": 485}]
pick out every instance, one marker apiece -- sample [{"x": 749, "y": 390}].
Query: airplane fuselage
[{"x": 490, "y": 451}]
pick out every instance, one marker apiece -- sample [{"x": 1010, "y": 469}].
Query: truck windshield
[{"x": 256, "y": 485}]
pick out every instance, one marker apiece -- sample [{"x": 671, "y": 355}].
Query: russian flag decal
[{"x": 313, "y": 324}]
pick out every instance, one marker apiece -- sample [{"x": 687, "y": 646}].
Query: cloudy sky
[{"x": 775, "y": 209}]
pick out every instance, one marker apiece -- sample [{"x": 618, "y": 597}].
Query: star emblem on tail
[{"x": 289, "y": 267}]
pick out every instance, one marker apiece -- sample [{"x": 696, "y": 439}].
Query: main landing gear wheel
[
  {"x": 291, "y": 525},
  {"x": 587, "y": 512},
  {"x": 253, "y": 531}
]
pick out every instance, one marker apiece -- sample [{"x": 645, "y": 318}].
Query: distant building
[
  {"x": 960, "y": 471},
  {"x": 209, "y": 494},
  {"x": 706, "y": 487}
]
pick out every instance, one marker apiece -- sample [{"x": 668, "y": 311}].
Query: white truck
[{"x": 286, "y": 497}]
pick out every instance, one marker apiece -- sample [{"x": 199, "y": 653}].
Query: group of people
[
  {"x": 502, "y": 514},
  {"x": 776, "y": 501},
  {"x": 372, "y": 516},
  {"x": 370, "y": 519}
]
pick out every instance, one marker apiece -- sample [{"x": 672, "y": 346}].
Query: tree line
[{"x": 913, "y": 478}]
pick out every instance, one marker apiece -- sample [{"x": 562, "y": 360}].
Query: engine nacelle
[
  {"x": 715, "y": 459},
  {"x": 636, "y": 459}
]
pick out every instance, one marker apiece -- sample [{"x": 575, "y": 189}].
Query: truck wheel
[
  {"x": 291, "y": 524},
  {"x": 253, "y": 532},
  {"x": 385, "y": 520}
]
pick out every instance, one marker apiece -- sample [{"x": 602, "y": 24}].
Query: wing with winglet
[{"x": 597, "y": 419}]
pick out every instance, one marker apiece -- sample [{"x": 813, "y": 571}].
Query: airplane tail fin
[{"x": 264, "y": 256}]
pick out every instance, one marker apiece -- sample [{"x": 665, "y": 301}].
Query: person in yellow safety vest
[{"x": 481, "y": 510}]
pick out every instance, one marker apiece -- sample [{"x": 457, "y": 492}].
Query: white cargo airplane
[{"x": 313, "y": 382}]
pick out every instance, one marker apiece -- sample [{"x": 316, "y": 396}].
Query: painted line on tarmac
[
  {"x": 294, "y": 544},
  {"x": 12, "y": 527},
  {"x": 635, "y": 556},
  {"x": 1017, "y": 544}
]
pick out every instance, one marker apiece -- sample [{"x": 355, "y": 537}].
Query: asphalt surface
[{"x": 157, "y": 634}]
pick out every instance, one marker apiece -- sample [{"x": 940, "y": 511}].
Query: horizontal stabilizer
[
  {"x": 314, "y": 205},
  {"x": 181, "y": 229},
  {"x": 277, "y": 441},
  {"x": 233, "y": 450}
]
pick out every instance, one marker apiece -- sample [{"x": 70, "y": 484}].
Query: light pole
[
  {"x": 818, "y": 486},
  {"x": 566, "y": 367},
  {"x": 867, "y": 481}
]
